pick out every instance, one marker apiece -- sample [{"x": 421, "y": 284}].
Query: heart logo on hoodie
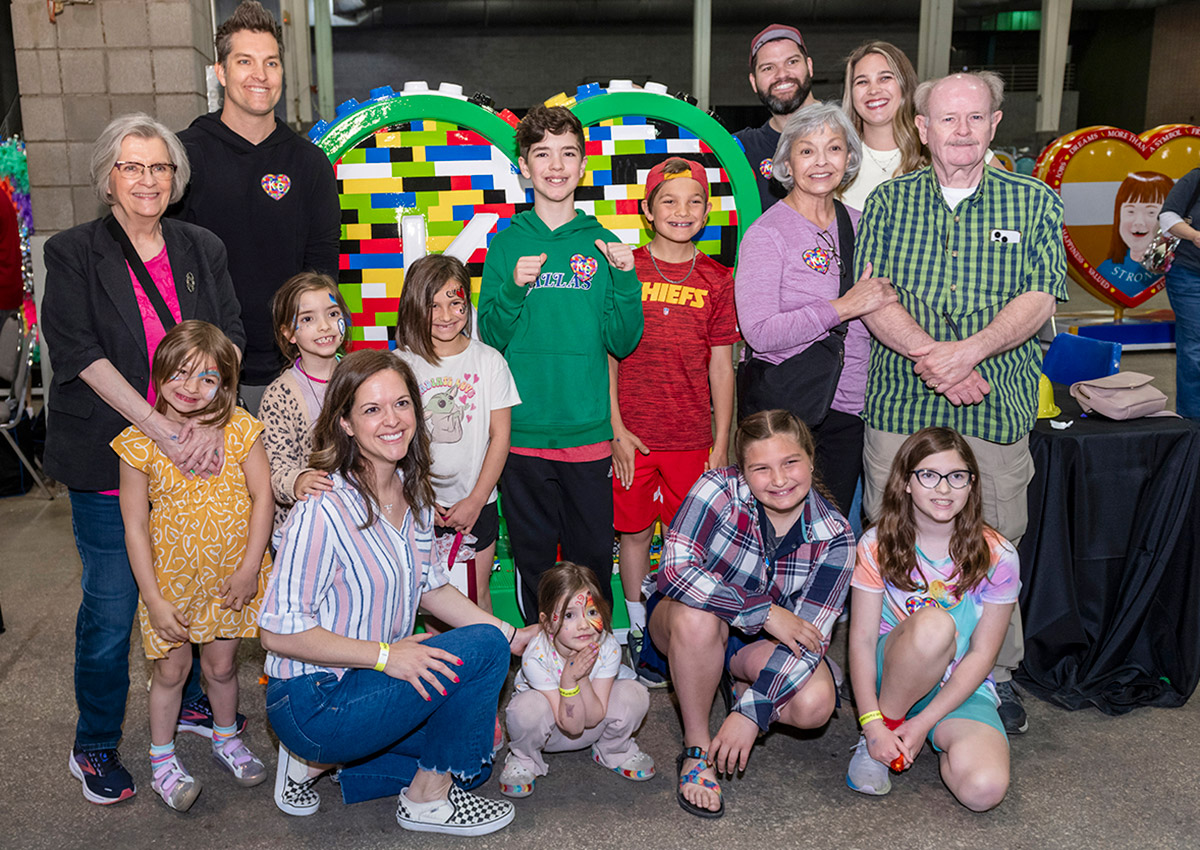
[
  {"x": 585, "y": 268},
  {"x": 276, "y": 185}
]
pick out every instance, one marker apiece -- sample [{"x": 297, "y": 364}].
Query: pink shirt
[{"x": 160, "y": 272}]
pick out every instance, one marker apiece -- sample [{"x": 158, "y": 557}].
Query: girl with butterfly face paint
[
  {"x": 310, "y": 318},
  {"x": 572, "y": 691}
]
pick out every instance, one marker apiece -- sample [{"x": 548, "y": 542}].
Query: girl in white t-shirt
[
  {"x": 934, "y": 588},
  {"x": 572, "y": 691},
  {"x": 467, "y": 395}
]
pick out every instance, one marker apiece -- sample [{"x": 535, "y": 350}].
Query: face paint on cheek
[
  {"x": 342, "y": 326},
  {"x": 595, "y": 622}
]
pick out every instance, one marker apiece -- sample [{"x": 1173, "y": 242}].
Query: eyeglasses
[
  {"x": 824, "y": 255},
  {"x": 931, "y": 479},
  {"x": 135, "y": 170}
]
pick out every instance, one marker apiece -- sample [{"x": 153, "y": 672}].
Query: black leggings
[
  {"x": 548, "y": 501},
  {"x": 839, "y": 456}
]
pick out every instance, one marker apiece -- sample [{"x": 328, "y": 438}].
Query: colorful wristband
[
  {"x": 565, "y": 693},
  {"x": 381, "y": 661},
  {"x": 869, "y": 716}
]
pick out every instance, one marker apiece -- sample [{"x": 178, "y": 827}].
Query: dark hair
[
  {"x": 556, "y": 587},
  {"x": 248, "y": 16},
  {"x": 904, "y": 125},
  {"x": 336, "y": 451},
  {"x": 897, "y": 533},
  {"x": 778, "y": 423},
  {"x": 179, "y": 347},
  {"x": 422, "y": 281},
  {"x": 541, "y": 120},
  {"x": 285, "y": 308}
]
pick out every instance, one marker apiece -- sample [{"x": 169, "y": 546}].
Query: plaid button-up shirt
[
  {"x": 714, "y": 560},
  {"x": 954, "y": 270}
]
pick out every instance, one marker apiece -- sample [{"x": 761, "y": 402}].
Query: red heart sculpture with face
[{"x": 1113, "y": 184}]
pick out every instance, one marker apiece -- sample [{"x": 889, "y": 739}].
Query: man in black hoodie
[{"x": 268, "y": 193}]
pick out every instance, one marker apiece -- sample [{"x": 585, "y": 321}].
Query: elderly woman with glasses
[
  {"x": 114, "y": 287},
  {"x": 794, "y": 290}
]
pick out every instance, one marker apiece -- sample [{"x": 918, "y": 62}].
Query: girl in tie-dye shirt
[{"x": 933, "y": 591}]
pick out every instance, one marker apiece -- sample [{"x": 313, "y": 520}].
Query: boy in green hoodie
[{"x": 558, "y": 295}]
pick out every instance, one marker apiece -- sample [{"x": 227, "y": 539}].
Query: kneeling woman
[
  {"x": 933, "y": 591},
  {"x": 349, "y": 681},
  {"x": 754, "y": 573}
]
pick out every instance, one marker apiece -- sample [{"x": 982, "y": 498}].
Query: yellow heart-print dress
[{"x": 198, "y": 532}]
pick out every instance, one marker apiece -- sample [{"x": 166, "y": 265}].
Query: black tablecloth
[{"x": 1110, "y": 592}]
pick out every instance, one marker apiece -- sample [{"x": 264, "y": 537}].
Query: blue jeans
[
  {"x": 384, "y": 732},
  {"x": 104, "y": 622},
  {"x": 1183, "y": 288}
]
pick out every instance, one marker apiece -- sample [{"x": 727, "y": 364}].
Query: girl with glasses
[{"x": 933, "y": 589}]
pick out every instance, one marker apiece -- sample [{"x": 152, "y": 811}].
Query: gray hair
[
  {"x": 990, "y": 79},
  {"x": 807, "y": 121},
  {"x": 107, "y": 151}
]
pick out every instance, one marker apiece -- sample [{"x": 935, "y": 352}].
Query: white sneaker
[
  {"x": 865, "y": 775},
  {"x": 461, "y": 813},
  {"x": 178, "y": 788},
  {"x": 233, "y": 755},
  {"x": 639, "y": 767},
  {"x": 516, "y": 780},
  {"x": 294, "y": 797}
]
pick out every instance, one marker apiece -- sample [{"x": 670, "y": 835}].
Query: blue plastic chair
[{"x": 1073, "y": 358}]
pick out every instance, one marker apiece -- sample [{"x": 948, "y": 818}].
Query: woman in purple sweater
[{"x": 788, "y": 275}]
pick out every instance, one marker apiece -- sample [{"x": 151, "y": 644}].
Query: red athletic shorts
[{"x": 660, "y": 481}]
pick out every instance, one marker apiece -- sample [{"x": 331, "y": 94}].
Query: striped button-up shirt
[
  {"x": 714, "y": 560},
  {"x": 360, "y": 583},
  {"x": 954, "y": 270}
]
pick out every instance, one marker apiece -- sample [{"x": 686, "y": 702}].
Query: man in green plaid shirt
[{"x": 976, "y": 257}]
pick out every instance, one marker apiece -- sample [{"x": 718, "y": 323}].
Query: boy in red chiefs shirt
[{"x": 663, "y": 426}]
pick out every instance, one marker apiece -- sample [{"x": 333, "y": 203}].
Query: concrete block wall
[
  {"x": 95, "y": 63},
  {"x": 1173, "y": 93}
]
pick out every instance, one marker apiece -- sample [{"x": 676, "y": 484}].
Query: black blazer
[{"x": 89, "y": 313}]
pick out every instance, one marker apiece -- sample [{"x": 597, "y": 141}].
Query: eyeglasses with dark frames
[{"x": 931, "y": 479}]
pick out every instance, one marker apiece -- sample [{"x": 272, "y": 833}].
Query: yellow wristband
[
  {"x": 869, "y": 716},
  {"x": 381, "y": 661},
  {"x": 565, "y": 693}
]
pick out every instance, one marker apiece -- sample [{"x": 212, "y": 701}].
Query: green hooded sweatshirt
[{"x": 556, "y": 332}]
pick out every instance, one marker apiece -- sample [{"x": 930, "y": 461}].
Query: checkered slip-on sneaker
[
  {"x": 462, "y": 813},
  {"x": 294, "y": 797}
]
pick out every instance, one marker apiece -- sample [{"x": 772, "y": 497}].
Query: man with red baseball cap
[{"x": 781, "y": 75}]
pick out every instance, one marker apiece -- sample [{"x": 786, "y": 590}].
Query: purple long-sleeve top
[{"x": 783, "y": 302}]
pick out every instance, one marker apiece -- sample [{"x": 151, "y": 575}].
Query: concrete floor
[{"x": 1079, "y": 779}]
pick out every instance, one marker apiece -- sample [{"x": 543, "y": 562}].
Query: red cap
[
  {"x": 773, "y": 32},
  {"x": 695, "y": 171}
]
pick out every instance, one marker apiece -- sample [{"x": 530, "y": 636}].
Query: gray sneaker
[
  {"x": 233, "y": 755},
  {"x": 1011, "y": 710},
  {"x": 178, "y": 788},
  {"x": 865, "y": 775}
]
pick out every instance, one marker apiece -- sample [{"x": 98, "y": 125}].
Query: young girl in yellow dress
[{"x": 198, "y": 549}]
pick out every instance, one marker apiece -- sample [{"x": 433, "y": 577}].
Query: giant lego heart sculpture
[
  {"x": 1113, "y": 184},
  {"x": 424, "y": 170}
]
